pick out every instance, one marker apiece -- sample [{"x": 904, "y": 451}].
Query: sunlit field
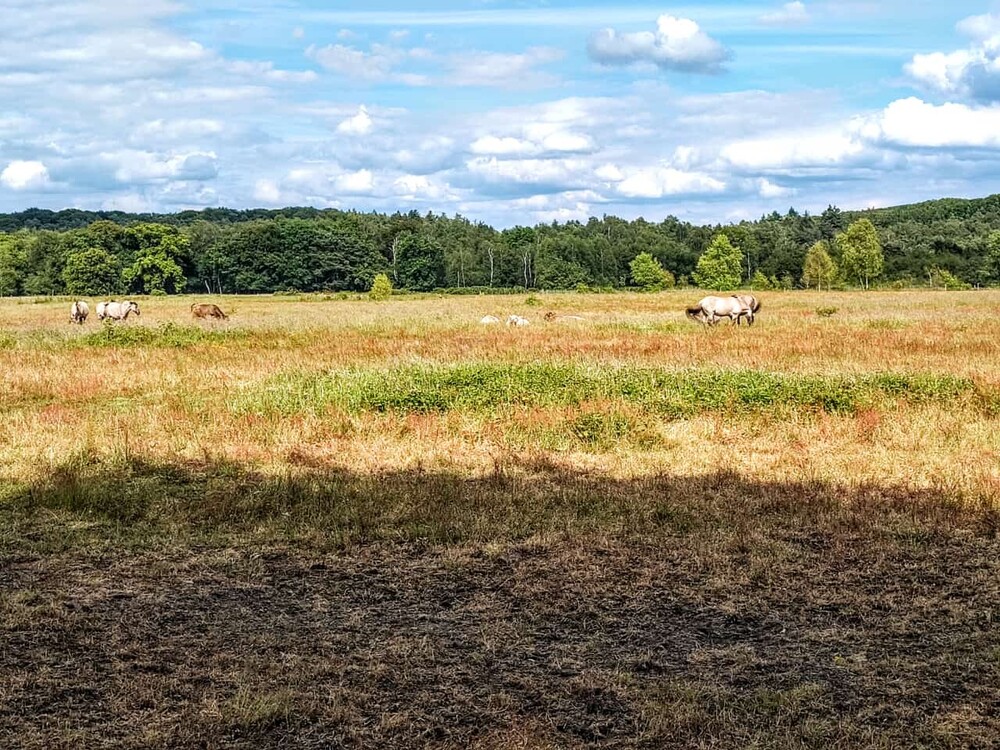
[{"x": 386, "y": 524}]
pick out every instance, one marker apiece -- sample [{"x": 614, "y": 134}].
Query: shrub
[
  {"x": 942, "y": 279},
  {"x": 720, "y": 267},
  {"x": 649, "y": 274},
  {"x": 760, "y": 282},
  {"x": 381, "y": 288},
  {"x": 826, "y": 312}
]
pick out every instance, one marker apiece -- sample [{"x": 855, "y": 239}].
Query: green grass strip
[{"x": 488, "y": 387}]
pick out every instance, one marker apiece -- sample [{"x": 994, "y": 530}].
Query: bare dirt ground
[{"x": 850, "y": 635}]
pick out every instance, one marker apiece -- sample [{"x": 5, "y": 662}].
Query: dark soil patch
[{"x": 778, "y": 639}]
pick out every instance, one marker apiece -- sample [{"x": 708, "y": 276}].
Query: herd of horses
[
  {"x": 709, "y": 311},
  {"x": 118, "y": 311}
]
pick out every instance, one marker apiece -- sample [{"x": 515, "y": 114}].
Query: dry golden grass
[
  {"x": 202, "y": 545},
  {"x": 61, "y": 399}
]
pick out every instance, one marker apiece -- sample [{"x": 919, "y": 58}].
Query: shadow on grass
[
  {"x": 141, "y": 502},
  {"x": 535, "y": 607}
]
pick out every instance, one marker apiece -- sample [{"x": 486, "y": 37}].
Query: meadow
[{"x": 330, "y": 521}]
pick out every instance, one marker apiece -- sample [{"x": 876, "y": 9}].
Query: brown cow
[{"x": 208, "y": 310}]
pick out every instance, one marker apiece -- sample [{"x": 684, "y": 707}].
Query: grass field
[{"x": 335, "y": 522}]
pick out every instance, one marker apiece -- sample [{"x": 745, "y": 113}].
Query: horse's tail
[{"x": 693, "y": 312}]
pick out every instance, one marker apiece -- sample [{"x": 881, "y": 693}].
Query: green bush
[
  {"x": 381, "y": 288},
  {"x": 649, "y": 274}
]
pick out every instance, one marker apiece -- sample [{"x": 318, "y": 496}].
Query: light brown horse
[
  {"x": 710, "y": 310},
  {"x": 752, "y": 304},
  {"x": 116, "y": 310},
  {"x": 208, "y": 310}
]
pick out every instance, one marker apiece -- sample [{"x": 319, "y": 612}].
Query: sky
[{"x": 504, "y": 111}]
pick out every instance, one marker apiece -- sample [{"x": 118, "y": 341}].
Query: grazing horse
[
  {"x": 711, "y": 309},
  {"x": 752, "y": 304},
  {"x": 208, "y": 310},
  {"x": 116, "y": 310},
  {"x": 78, "y": 312}
]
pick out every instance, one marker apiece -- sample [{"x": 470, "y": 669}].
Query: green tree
[
  {"x": 420, "y": 262},
  {"x": 720, "y": 267},
  {"x": 13, "y": 262},
  {"x": 649, "y": 273},
  {"x": 992, "y": 261},
  {"x": 92, "y": 272},
  {"x": 381, "y": 288},
  {"x": 760, "y": 282},
  {"x": 819, "y": 268},
  {"x": 154, "y": 272},
  {"x": 861, "y": 252}
]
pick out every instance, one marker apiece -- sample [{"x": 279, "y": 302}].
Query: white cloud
[
  {"x": 178, "y": 130},
  {"x": 374, "y": 65},
  {"x": 657, "y": 182},
  {"x": 360, "y": 123},
  {"x": 768, "y": 189},
  {"x": 501, "y": 70},
  {"x": 421, "y": 188},
  {"x": 565, "y": 173},
  {"x": 534, "y": 139},
  {"x": 354, "y": 183},
  {"x": 139, "y": 167},
  {"x": 914, "y": 123},
  {"x": 265, "y": 71},
  {"x": 267, "y": 191},
  {"x": 980, "y": 28},
  {"x": 824, "y": 148},
  {"x": 790, "y": 14},
  {"x": 973, "y": 72},
  {"x": 129, "y": 203},
  {"x": 677, "y": 44},
  {"x": 25, "y": 175},
  {"x": 502, "y": 146}
]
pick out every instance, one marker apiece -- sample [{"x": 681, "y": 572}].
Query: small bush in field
[
  {"x": 826, "y": 312},
  {"x": 381, "y": 288},
  {"x": 532, "y": 301}
]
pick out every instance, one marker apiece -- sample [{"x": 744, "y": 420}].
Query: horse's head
[{"x": 132, "y": 307}]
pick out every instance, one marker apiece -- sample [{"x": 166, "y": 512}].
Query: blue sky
[{"x": 510, "y": 112}]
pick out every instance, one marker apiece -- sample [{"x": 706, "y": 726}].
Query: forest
[{"x": 949, "y": 242}]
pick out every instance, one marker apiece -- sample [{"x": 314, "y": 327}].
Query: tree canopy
[
  {"x": 308, "y": 249},
  {"x": 719, "y": 267}
]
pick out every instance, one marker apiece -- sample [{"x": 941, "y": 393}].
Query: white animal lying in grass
[
  {"x": 490, "y": 320},
  {"x": 517, "y": 320}
]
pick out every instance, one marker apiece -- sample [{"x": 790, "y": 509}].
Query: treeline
[{"x": 305, "y": 249}]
